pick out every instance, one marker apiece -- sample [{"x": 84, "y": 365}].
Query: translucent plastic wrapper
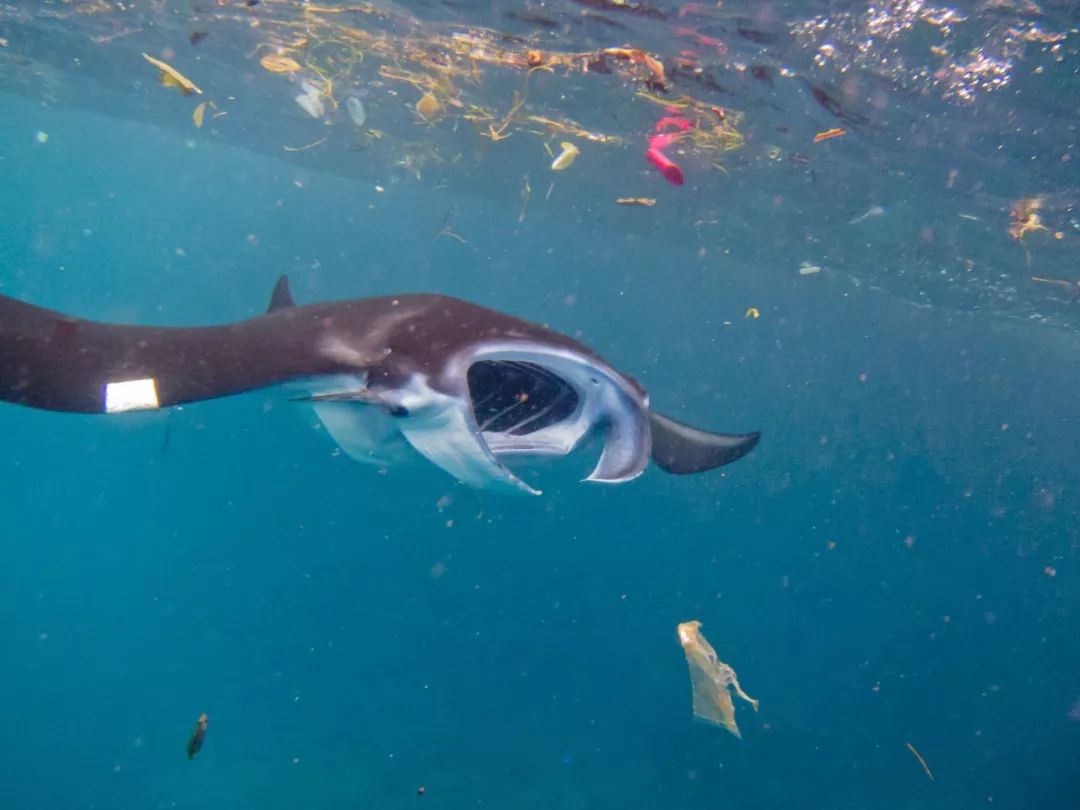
[{"x": 709, "y": 680}]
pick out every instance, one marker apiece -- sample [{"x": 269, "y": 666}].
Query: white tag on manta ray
[{"x": 131, "y": 395}]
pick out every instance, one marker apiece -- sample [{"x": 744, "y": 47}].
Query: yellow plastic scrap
[
  {"x": 198, "y": 114},
  {"x": 171, "y": 77},
  {"x": 709, "y": 680},
  {"x": 565, "y": 157}
]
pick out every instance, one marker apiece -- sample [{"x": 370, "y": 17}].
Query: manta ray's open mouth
[
  {"x": 519, "y": 398},
  {"x": 532, "y": 401}
]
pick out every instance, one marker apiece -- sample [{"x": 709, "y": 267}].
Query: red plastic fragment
[
  {"x": 672, "y": 122},
  {"x": 672, "y": 173}
]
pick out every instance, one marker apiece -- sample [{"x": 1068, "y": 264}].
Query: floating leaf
[
  {"x": 171, "y": 77},
  {"x": 428, "y": 106},
  {"x": 279, "y": 64},
  {"x": 829, "y": 133}
]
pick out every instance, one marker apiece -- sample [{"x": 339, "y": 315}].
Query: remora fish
[{"x": 463, "y": 385}]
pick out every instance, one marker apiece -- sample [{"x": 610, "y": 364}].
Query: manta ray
[{"x": 390, "y": 378}]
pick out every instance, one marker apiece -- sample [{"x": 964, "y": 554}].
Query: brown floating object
[
  {"x": 709, "y": 679},
  {"x": 171, "y": 77},
  {"x": 829, "y": 133},
  {"x": 276, "y": 63}
]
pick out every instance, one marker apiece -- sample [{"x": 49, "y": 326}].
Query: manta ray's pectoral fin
[{"x": 681, "y": 449}]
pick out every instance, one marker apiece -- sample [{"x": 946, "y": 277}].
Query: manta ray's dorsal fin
[{"x": 281, "y": 297}]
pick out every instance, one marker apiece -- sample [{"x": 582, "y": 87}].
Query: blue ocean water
[{"x": 896, "y": 563}]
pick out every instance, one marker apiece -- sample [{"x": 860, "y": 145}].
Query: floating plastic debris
[
  {"x": 647, "y": 202},
  {"x": 310, "y": 100},
  {"x": 872, "y": 211},
  {"x": 710, "y": 679},
  {"x": 672, "y": 173},
  {"x": 664, "y": 138},
  {"x": 808, "y": 269},
  {"x": 565, "y": 157},
  {"x": 356, "y": 110},
  {"x": 198, "y": 113}
]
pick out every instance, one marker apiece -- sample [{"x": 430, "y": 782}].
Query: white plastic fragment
[
  {"x": 310, "y": 100},
  {"x": 356, "y": 110}
]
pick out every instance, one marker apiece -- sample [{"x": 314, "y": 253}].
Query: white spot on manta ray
[
  {"x": 337, "y": 349},
  {"x": 131, "y": 395}
]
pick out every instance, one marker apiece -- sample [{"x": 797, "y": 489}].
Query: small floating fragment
[
  {"x": 171, "y": 77},
  {"x": 667, "y": 167},
  {"x": 647, "y": 202},
  {"x": 355, "y": 108},
  {"x": 195, "y": 743},
  {"x": 752, "y": 313},
  {"x": 565, "y": 157},
  {"x": 310, "y": 100},
  {"x": 428, "y": 106},
  {"x": 279, "y": 64},
  {"x": 709, "y": 680},
  {"x": 922, "y": 761},
  {"x": 829, "y": 133},
  {"x": 872, "y": 211},
  {"x": 808, "y": 269},
  {"x": 1024, "y": 217},
  {"x": 197, "y": 115}
]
